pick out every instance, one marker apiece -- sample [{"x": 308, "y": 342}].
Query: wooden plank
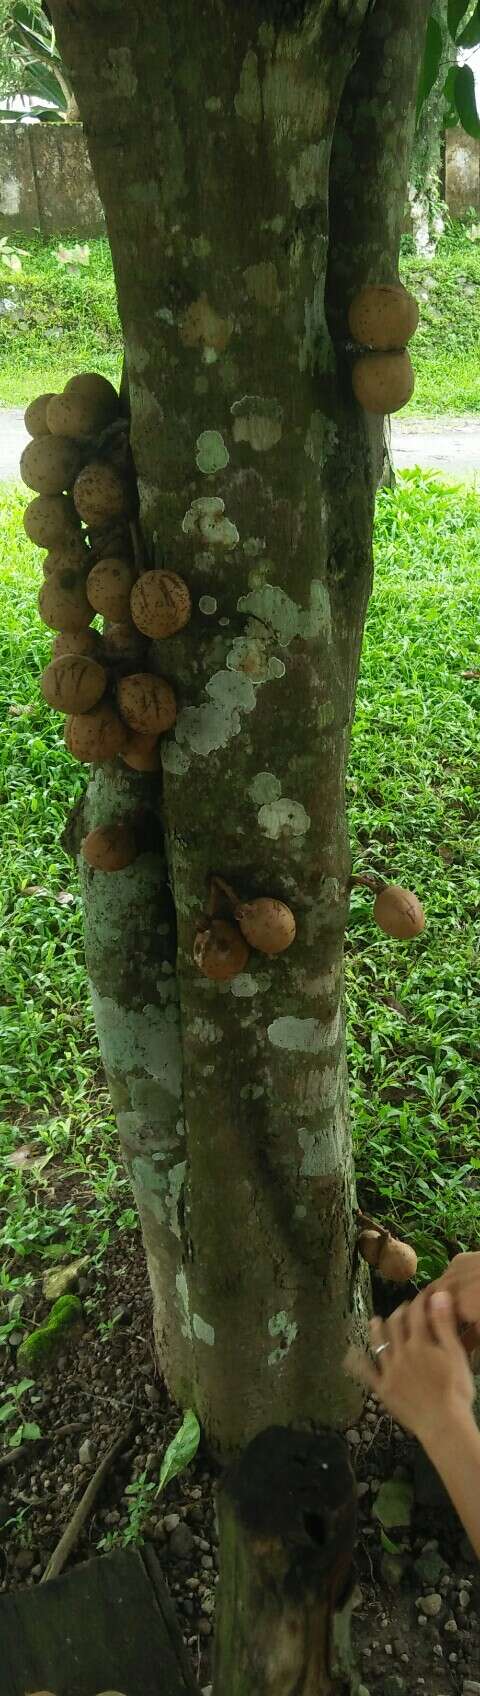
[{"x": 108, "y": 1625}]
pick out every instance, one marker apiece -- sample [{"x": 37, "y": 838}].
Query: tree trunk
[
  {"x": 287, "y": 1531},
  {"x": 243, "y": 152}
]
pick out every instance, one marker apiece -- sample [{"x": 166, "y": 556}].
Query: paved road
[{"x": 448, "y": 445}]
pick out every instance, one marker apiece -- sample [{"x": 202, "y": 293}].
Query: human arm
[{"x": 424, "y": 1380}]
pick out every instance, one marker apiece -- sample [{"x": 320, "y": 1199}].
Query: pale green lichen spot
[
  {"x": 287, "y": 1329},
  {"x": 212, "y": 453},
  {"x": 265, "y": 787},
  {"x": 203, "y": 1330}
]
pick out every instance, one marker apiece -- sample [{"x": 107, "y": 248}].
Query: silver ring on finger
[{"x": 380, "y": 1349}]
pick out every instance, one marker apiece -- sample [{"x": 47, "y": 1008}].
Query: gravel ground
[{"x": 416, "y": 1619}]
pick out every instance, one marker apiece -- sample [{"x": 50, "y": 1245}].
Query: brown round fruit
[
  {"x": 79, "y": 415},
  {"x": 399, "y": 913},
  {"x": 383, "y": 382},
  {"x": 383, "y": 315},
  {"x": 73, "y": 683},
  {"x": 110, "y": 848},
  {"x": 49, "y": 519},
  {"x": 99, "y": 493},
  {"x": 71, "y": 553},
  {"x": 369, "y": 1246},
  {"x": 109, "y": 586},
  {"x": 123, "y": 644},
  {"x": 160, "y": 603},
  {"x": 147, "y": 703},
  {"x": 142, "y": 753},
  {"x": 95, "y": 389},
  {"x": 35, "y": 418},
  {"x": 50, "y": 464},
  {"x": 267, "y": 924},
  {"x": 396, "y": 1261},
  {"x": 78, "y": 642},
  {"x": 220, "y": 951},
  {"x": 62, "y": 602},
  {"x": 97, "y": 735}
]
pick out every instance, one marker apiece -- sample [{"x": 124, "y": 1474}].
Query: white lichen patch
[
  {"x": 253, "y": 546},
  {"x": 249, "y": 654},
  {"x": 280, "y": 1325},
  {"x": 204, "y": 1031},
  {"x": 265, "y": 787},
  {"x": 304, "y": 1036},
  {"x": 175, "y": 1182},
  {"x": 204, "y": 1331},
  {"x": 248, "y": 100},
  {"x": 208, "y": 605},
  {"x": 245, "y": 986},
  {"x": 283, "y": 818},
  {"x": 287, "y": 620},
  {"x": 308, "y": 177},
  {"x": 212, "y": 453},
  {"x": 138, "y": 1042},
  {"x": 201, "y": 247},
  {"x": 314, "y": 1146},
  {"x": 206, "y": 520},
  {"x": 184, "y": 1304},
  {"x": 258, "y": 421},
  {"x": 321, "y": 439}
]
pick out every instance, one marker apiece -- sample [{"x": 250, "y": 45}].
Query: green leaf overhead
[
  {"x": 431, "y": 62},
  {"x": 470, "y": 36},
  {"x": 465, "y": 101}
]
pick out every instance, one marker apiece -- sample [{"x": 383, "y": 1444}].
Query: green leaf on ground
[
  {"x": 393, "y": 1505},
  {"x": 181, "y": 1450}
]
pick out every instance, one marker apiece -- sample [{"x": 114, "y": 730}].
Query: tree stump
[{"x": 287, "y": 1513}]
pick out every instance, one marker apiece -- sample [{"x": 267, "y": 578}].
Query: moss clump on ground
[{"x": 64, "y": 1324}]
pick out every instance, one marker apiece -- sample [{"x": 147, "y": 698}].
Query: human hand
[
  {"x": 462, "y": 1280},
  {"x": 423, "y": 1378}
]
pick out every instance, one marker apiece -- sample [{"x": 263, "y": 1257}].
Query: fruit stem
[
  {"x": 227, "y": 890},
  {"x": 367, "y": 1224},
  {"x": 367, "y": 880}
]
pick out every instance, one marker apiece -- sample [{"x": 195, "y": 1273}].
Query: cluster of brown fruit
[
  {"x": 383, "y": 318},
  {"x": 77, "y": 463},
  {"x": 395, "y": 1261},
  {"x": 222, "y": 945}
]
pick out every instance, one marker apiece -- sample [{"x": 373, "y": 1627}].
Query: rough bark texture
[
  {"x": 287, "y": 1530},
  {"x": 211, "y": 129}
]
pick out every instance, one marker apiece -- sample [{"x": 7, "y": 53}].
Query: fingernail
[{"x": 441, "y": 1301}]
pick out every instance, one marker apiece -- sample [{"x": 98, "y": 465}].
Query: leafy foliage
[
  {"x": 30, "y": 63},
  {"x": 459, "y": 86}
]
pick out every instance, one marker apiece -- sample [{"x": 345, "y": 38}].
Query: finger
[
  {"x": 397, "y": 1326},
  {"x": 419, "y": 1319},
  {"x": 442, "y": 1318},
  {"x": 358, "y": 1366}
]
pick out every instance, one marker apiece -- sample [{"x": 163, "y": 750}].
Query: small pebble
[
  {"x": 362, "y": 1490},
  {"x": 202, "y": 1544},
  {"x": 208, "y": 1605},
  {"x": 464, "y": 1599},
  {"x": 86, "y": 1453},
  {"x": 204, "y": 1627},
  {"x": 451, "y": 1626},
  {"x": 422, "y": 1619},
  {"x": 152, "y": 1394},
  {"x": 354, "y": 1438},
  {"x": 430, "y": 1605},
  {"x": 438, "y": 1651},
  {"x": 171, "y": 1521}
]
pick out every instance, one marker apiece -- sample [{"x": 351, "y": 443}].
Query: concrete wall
[{"x": 46, "y": 181}]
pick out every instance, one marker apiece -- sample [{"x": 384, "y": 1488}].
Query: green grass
[
  {"x": 446, "y": 347},
  {"x": 63, "y": 321},
  {"x": 413, "y": 807},
  {"x": 413, "y": 795},
  {"x": 52, "y": 1094}
]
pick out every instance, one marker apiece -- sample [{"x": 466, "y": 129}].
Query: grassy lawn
[
  {"x": 446, "y": 347},
  {"x": 413, "y": 1043},
  {"x": 62, "y": 321}
]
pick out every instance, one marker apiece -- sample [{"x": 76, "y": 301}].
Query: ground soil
[{"x": 111, "y": 1375}]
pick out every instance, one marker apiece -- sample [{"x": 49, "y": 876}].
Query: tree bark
[
  {"x": 286, "y": 1516},
  {"x": 246, "y": 156}
]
